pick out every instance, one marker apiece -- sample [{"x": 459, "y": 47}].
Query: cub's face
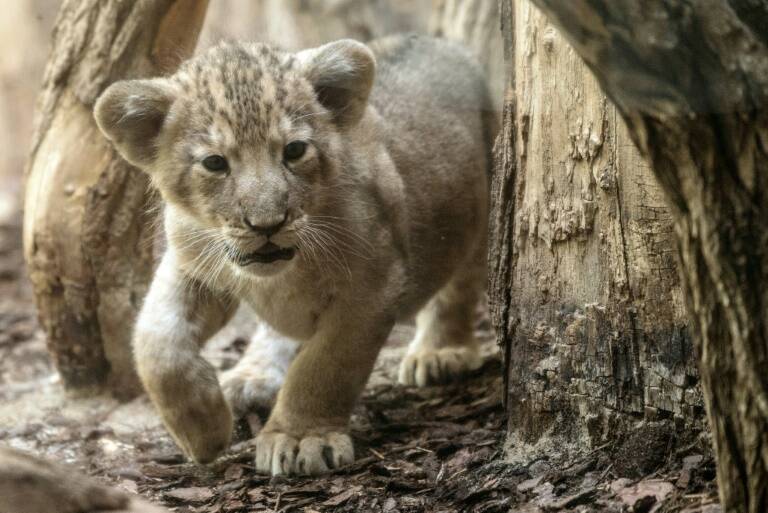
[{"x": 243, "y": 141}]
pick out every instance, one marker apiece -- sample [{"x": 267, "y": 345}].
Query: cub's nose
[{"x": 265, "y": 229}]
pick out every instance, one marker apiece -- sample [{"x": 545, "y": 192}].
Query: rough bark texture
[
  {"x": 584, "y": 286},
  {"x": 502, "y": 204},
  {"x": 691, "y": 80},
  {"x": 87, "y": 229}
]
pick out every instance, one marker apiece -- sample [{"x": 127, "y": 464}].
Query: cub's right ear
[{"x": 131, "y": 114}]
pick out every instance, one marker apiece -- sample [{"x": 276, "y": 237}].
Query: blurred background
[{"x": 25, "y": 28}]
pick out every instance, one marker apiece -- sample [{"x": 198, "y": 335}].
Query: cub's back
[
  {"x": 422, "y": 80},
  {"x": 438, "y": 125}
]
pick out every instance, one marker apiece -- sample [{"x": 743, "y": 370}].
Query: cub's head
[{"x": 243, "y": 140}]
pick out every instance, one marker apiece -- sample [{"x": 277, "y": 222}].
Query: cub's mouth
[{"x": 266, "y": 254}]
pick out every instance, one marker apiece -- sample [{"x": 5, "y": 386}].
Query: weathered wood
[
  {"x": 501, "y": 258},
  {"x": 583, "y": 282},
  {"x": 87, "y": 228},
  {"x": 691, "y": 80}
]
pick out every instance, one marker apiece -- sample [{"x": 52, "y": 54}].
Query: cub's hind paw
[
  {"x": 280, "y": 454},
  {"x": 424, "y": 367},
  {"x": 250, "y": 389},
  {"x": 252, "y": 385}
]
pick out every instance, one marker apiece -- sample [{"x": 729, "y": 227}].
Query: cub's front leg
[
  {"x": 178, "y": 315},
  {"x": 307, "y": 432}
]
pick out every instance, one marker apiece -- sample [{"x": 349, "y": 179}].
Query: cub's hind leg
[
  {"x": 444, "y": 347},
  {"x": 253, "y": 383}
]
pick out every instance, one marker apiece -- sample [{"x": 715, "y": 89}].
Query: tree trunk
[
  {"x": 584, "y": 286},
  {"x": 87, "y": 228},
  {"x": 691, "y": 81}
]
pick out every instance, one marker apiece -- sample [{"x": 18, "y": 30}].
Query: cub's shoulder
[{"x": 424, "y": 84}]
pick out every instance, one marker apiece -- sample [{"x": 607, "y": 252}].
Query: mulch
[
  {"x": 435, "y": 449},
  {"x": 438, "y": 449}
]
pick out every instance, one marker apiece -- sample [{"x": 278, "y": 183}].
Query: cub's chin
[{"x": 268, "y": 260}]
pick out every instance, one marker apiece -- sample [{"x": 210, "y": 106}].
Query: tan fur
[{"x": 386, "y": 209}]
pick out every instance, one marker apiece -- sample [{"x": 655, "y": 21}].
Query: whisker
[
  {"x": 325, "y": 248},
  {"x": 325, "y": 241},
  {"x": 347, "y": 238}
]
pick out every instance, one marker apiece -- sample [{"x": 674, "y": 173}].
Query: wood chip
[
  {"x": 389, "y": 505},
  {"x": 577, "y": 499},
  {"x": 529, "y": 484},
  {"x": 343, "y": 497},
  {"x": 656, "y": 488},
  {"x": 235, "y": 471},
  {"x": 194, "y": 494}
]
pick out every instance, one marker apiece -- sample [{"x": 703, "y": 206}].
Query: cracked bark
[
  {"x": 584, "y": 286},
  {"x": 87, "y": 229},
  {"x": 691, "y": 81}
]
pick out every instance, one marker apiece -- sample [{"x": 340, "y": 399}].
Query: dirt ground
[{"x": 438, "y": 449}]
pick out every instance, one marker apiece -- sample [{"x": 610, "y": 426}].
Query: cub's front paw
[
  {"x": 424, "y": 367},
  {"x": 278, "y": 453},
  {"x": 201, "y": 424},
  {"x": 193, "y": 409}
]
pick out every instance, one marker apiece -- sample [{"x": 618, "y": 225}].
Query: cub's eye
[
  {"x": 294, "y": 150},
  {"x": 215, "y": 163}
]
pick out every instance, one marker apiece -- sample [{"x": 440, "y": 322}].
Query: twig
[{"x": 378, "y": 454}]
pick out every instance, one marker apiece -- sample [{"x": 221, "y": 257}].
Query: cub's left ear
[
  {"x": 131, "y": 114},
  {"x": 342, "y": 74}
]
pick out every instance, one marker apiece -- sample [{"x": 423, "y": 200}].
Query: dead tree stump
[
  {"x": 88, "y": 220},
  {"x": 584, "y": 287}
]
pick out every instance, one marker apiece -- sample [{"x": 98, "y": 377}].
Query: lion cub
[{"x": 335, "y": 191}]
